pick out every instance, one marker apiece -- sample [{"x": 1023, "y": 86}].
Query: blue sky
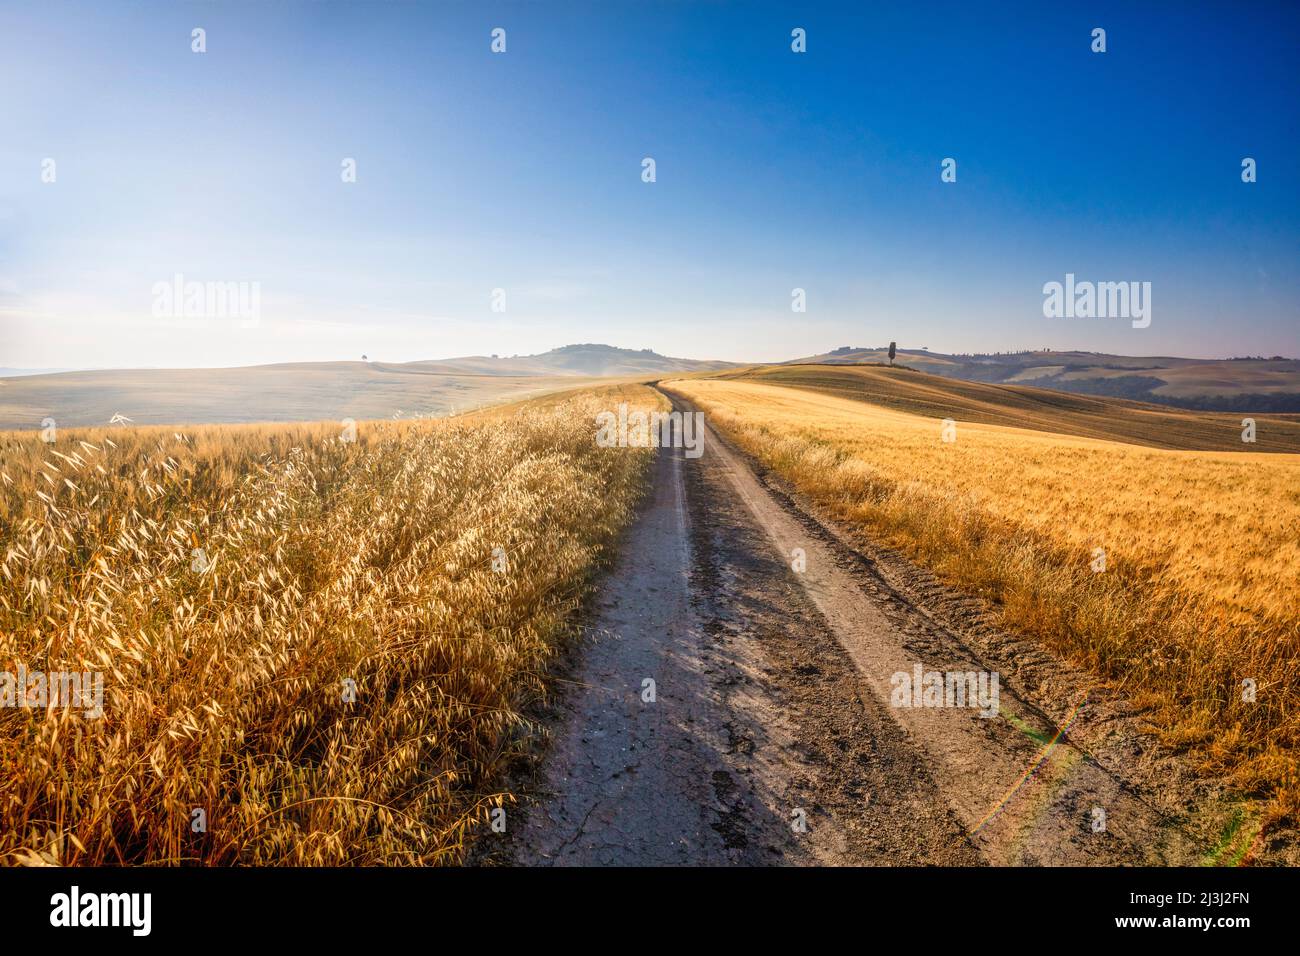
[{"x": 522, "y": 171}]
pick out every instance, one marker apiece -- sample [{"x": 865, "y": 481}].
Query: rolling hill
[
  {"x": 1228, "y": 385},
  {"x": 308, "y": 391},
  {"x": 1022, "y": 406},
  {"x": 311, "y": 391}
]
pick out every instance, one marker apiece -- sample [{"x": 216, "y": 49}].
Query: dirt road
[{"x": 734, "y": 707}]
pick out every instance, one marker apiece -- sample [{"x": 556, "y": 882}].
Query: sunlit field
[
  {"x": 314, "y": 650},
  {"x": 1201, "y": 552}
]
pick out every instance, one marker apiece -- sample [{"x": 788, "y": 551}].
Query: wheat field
[
  {"x": 1201, "y": 548},
  {"x": 314, "y": 650}
]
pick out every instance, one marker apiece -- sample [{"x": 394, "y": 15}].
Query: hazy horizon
[{"x": 9, "y": 370}]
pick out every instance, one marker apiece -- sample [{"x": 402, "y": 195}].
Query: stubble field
[{"x": 1195, "y": 614}]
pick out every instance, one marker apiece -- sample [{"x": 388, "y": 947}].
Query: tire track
[{"x": 759, "y": 748}]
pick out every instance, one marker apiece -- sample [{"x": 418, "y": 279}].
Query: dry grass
[
  {"x": 1203, "y": 552},
  {"x": 328, "y": 560}
]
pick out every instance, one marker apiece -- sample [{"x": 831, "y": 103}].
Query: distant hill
[
  {"x": 1229, "y": 385},
  {"x": 311, "y": 391},
  {"x": 307, "y": 391},
  {"x": 585, "y": 359}
]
